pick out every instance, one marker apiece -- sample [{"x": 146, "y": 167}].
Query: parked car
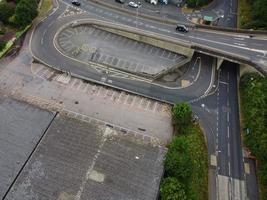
[
  {"x": 120, "y": 1},
  {"x": 155, "y": 2},
  {"x": 182, "y": 28},
  {"x": 76, "y": 2},
  {"x": 133, "y": 4}
]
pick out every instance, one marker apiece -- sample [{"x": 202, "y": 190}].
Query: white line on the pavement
[
  {"x": 228, "y": 132},
  {"x": 240, "y": 44}
]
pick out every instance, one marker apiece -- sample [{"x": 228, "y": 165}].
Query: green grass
[
  {"x": 244, "y": 13},
  {"x": 45, "y": 7}
]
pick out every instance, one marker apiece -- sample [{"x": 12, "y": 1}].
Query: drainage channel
[{"x": 29, "y": 157}]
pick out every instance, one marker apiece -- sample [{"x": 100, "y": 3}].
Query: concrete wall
[
  {"x": 152, "y": 41},
  {"x": 243, "y": 68}
]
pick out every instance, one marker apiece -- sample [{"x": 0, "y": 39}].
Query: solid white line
[
  {"x": 239, "y": 38},
  {"x": 229, "y": 170}
]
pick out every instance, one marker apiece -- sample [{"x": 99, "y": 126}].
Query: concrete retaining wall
[
  {"x": 244, "y": 68},
  {"x": 152, "y": 41}
]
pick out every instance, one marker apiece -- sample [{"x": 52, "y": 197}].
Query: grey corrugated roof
[{"x": 90, "y": 161}]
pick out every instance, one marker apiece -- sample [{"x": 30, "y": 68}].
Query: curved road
[{"x": 44, "y": 34}]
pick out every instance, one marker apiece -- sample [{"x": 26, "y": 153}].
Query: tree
[
  {"x": 177, "y": 161},
  {"x": 182, "y": 117},
  {"x": 172, "y": 189},
  {"x": 26, "y": 11},
  {"x": 6, "y": 11}
]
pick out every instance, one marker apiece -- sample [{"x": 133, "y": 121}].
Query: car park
[
  {"x": 75, "y": 2},
  {"x": 181, "y": 28}
]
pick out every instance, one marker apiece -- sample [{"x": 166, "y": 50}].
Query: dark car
[
  {"x": 182, "y": 28},
  {"x": 75, "y": 2},
  {"x": 120, "y": 1}
]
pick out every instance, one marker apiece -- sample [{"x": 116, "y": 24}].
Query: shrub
[
  {"x": 182, "y": 117},
  {"x": 2, "y": 45},
  {"x": 172, "y": 189},
  {"x": 6, "y": 11},
  {"x": 253, "y": 92},
  {"x": 26, "y": 11}
]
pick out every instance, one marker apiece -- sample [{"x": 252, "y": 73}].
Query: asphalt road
[
  {"x": 219, "y": 115},
  {"x": 48, "y": 28},
  {"x": 230, "y": 44}
]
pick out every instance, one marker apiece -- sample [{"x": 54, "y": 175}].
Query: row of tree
[
  {"x": 253, "y": 90},
  {"x": 186, "y": 160},
  {"x": 19, "y": 13},
  {"x": 259, "y": 15},
  {"x": 196, "y": 3}
]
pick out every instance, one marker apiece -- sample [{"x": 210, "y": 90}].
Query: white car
[
  {"x": 133, "y": 4},
  {"x": 155, "y": 2}
]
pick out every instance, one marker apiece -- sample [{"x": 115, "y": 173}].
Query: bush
[
  {"x": 172, "y": 189},
  {"x": 253, "y": 93},
  {"x": 196, "y": 3},
  {"x": 252, "y": 14},
  {"x": 2, "y": 45},
  {"x": 26, "y": 11},
  {"x": 178, "y": 165},
  {"x": 182, "y": 117},
  {"x": 187, "y": 162},
  {"x": 6, "y": 11}
]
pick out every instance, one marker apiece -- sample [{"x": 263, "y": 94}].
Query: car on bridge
[
  {"x": 120, "y": 1},
  {"x": 76, "y": 2},
  {"x": 134, "y": 5},
  {"x": 181, "y": 28}
]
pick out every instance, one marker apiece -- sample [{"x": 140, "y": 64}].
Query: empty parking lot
[{"x": 87, "y": 43}]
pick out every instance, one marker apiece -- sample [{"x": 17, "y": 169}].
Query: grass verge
[{"x": 45, "y": 7}]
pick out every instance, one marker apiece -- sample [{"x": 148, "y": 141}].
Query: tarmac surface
[{"x": 87, "y": 43}]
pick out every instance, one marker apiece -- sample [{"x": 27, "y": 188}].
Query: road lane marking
[
  {"x": 228, "y": 132},
  {"x": 229, "y": 169},
  {"x": 247, "y": 168},
  {"x": 213, "y": 160},
  {"x": 231, "y": 45},
  {"x": 240, "y": 44}
]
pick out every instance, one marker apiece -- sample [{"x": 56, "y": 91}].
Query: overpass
[
  {"x": 252, "y": 54},
  {"x": 236, "y": 45}
]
